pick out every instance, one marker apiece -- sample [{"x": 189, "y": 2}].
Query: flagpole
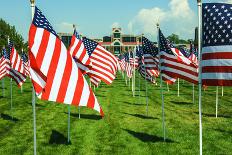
[
  {"x": 222, "y": 91},
  {"x": 161, "y": 85},
  {"x": 69, "y": 111},
  {"x": 216, "y": 101},
  {"x": 3, "y": 87},
  {"x": 146, "y": 91},
  {"x": 134, "y": 73},
  {"x": 193, "y": 93},
  {"x": 11, "y": 100},
  {"x": 167, "y": 87},
  {"x": 178, "y": 87},
  {"x": 22, "y": 85},
  {"x": 199, "y": 4},
  {"x": 33, "y": 90}
]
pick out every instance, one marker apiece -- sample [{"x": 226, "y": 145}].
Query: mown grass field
[{"x": 125, "y": 129}]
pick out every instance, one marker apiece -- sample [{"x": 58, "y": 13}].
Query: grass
[{"x": 125, "y": 129}]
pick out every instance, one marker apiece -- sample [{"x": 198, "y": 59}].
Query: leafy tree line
[
  {"x": 8, "y": 30},
  {"x": 177, "y": 40}
]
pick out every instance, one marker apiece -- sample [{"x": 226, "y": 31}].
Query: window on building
[
  {"x": 106, "y": 39},
  {"x": 116, "y": 44},
  {"x": 129, "y": 39},
  {"x": 117, "y": 35}
]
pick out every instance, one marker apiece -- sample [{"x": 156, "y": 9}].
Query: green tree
[
  {"x": 174, "y": 38},
  {"x": 8, "y": 30}
]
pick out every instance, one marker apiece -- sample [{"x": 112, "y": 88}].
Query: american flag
[
  {"x": 26, "y": 64},
  {"x": 128, "y": 67},
  {"x": 6, "y": 70},
  {"x": 217, "y": 44},
  {"x": 79, "y": 53},
  {"x": 193, "y": 54},
  {"x": 95, "y": 81},
  {"x": 15, "y": 59},
  {"x": 104, "y": 64},
  {"x": 54, "y": 73},
  {"x": 122, "y": 62},
  {"x": 172, "y": 66},
  {"x": 150, "y": 54}
]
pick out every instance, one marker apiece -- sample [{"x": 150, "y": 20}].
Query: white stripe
[
  {"x": 221, "y": 76},
  {"x": 73, "y": 81},
  {"x": 37, "y": 41},
  {"x": 74, "y": 46},
  {"x": 102, "y": 70},
  {"x": 13, "y": 57},
  {"x": 217, "y": 49},
  {"x": 217, "y": 62},
  {"x": 169, "y": 78},
  {"x": 48, "y": 54},
  {"x": 85, "y": 94},
  {"x": 37, "y": 78},
  {"x": 58, "y": 74},
  {"x": 103, "y": 76},
  {"x": 100, "y": 64}
]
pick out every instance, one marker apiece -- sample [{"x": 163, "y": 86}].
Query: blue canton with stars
[
  {"x": 40, "y": 21},
  {"x": 149, "y": 47},
  {"x": 217, "y": 24},
  {"x": 10, "y": 46},
  {"x": 164, "y": 44},
  {"x": 139, "y": 51},
  {"x": 76, "y": 34},
  {"x": 24, "y": 57},
  {"x": 126, "y": 57},
  {"x": 5, "y": 54},
  {"x": 90, "y": 45},
  {"x": 193, "y": 50}
]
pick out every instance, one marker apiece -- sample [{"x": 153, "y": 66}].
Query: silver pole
[
  {"x": 3, "y": 87},
  {"x": 193, "y": 93},
  {"x": 69, "y": 111},
  {"x": 11, "y": 99},
  {"x": 222, "y": 91},
  {"x": 167, "y": 87},
  {"x": 146, "y": 91},
  {"x": 199, "y": 4},
  {"x": 161, "y": 89},
  {"x": 178, "y": 87},
  {"x": 33, "y": 90},
  {"x": 79, "y": 112},
  {"x": 216, "y": 101}
]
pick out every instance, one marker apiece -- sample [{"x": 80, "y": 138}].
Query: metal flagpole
[
  {"x": 161, "y": 89},
  {"x": 129, "y": 68},
  {"x": 167, "y": 87},
  {"x": 178, "y": 87},
  {"x": 33, "y": 90},
  {"x": 79, "y": 112},
  {"x": 134, "y": 72},
  {"x": 146, "y": 91},
  {"x": 11, "y": 99},
  {"x": 22, "y": 85},
  {"x": 222, "y": 91},
  {"x": 216, "y": 101},
  {"x": 69, "y": 111},
  {"x": 3, "y": 87},
  {"x": 193, "y": 93},
  {"x": 199, "y": 4}
]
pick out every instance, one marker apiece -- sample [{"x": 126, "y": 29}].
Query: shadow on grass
[
  {"x": 27, "y": 91},
  {"x": 141, "y": 116},
  {"x": 100, "y": 95},
  {"x": 147, "y": 137},
  {"x": 37, "y": 105},
  {"x": 8, "y": 117},
  {"x": 137, "y": 104},
  {"x": 58, "y": 138},
  {"x": 182, "y": 103},
  {"x": 1, "y": 97},
  {"x": 224, "y": 131},
  {"x": 86, "y": 116},
  {"x": 214, "y": 115}
]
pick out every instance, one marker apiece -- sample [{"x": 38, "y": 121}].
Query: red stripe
[
  {"x": 42, "y": 48},
  {"x": 78, "y": 90},
  {"x": 217, "y": 69},
  {"x": 65, "y": 80},
  {"x": 52, "y": 69},
  {"x": 216, "y": 82},
  {"x": 217, "y": 55}
]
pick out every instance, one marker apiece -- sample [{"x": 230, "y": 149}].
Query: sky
[{"x": 95, "y": 19}]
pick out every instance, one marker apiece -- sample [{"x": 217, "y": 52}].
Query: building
[{"x": 116, "y": 43}]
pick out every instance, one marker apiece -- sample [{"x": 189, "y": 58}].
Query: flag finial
[
  {"x": 198, "y": 1},
  {"x": 32, "y": 1},
  {"x": 157, "y": 24},
  {"x": 74, "y": 26}
]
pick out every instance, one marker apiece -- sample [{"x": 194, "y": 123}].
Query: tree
[
  {"x": 174, "y": 38},
  {"x": 8, "y": 30}
]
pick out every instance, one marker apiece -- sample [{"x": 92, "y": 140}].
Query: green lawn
[{"x": 125, "y": 129}]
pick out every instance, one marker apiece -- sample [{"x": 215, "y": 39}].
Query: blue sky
[{"x": 95, "y": 18}]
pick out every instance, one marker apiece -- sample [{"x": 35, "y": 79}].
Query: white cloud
[
  {"x": 66, "y": 27},
  {"x": 179, "y": 18},
  {"x": 227, "y": 1},
  {"x": 115, "y": 25}
]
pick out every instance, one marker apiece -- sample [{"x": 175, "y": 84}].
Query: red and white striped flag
[
  {"x": 15, "y": 59},
  {"x": 104, "y": 64},
  {"x": 172, "y": 66},
  {"x": 79, "y": 53},
  {"x": 54, "y": 73},
  {"x": 6, "y": 70}
]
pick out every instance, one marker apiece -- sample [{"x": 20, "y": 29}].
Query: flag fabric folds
[
  {"x": 7, "y": 70},
  {"x": 54, "y": 74},
  {"x": 79, "y": 53},
  {"x": 193, "y": 54},
  {"x": 172, "y": 66},
  {"x": 104, "y": 64},
  {"x": 26, "y": 64},
  {"x": 217, "y": 44}
]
